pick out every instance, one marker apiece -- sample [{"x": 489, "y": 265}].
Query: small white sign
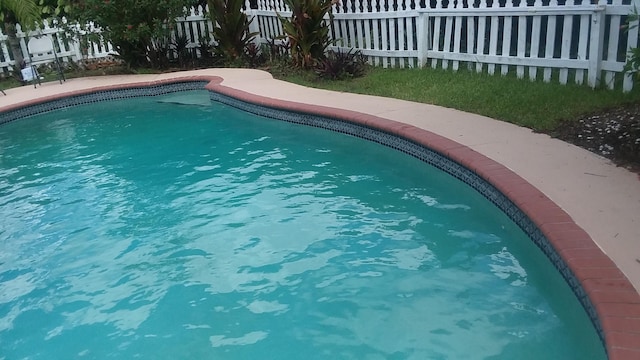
[{"x": 28, "y": 74}]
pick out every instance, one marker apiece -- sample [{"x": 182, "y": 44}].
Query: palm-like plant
[
  {"x": 307, "y": 31},
  {"x": 231, "y": 28},
  {"x": 24, "y": 12}
]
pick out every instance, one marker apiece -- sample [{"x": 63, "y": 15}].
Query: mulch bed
[{"x": 614, "y": 134}]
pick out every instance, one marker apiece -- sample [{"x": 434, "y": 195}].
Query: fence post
[
  {"x": 596, "y": 45},
  {"x": 253, "y": 24},
  {"x": 75, "y": 44},
  {"x": 22, "y": 37},
  {"x": 423, "y": 37},
  {"x": 627, "y": 83},
  {"x": 4, "y": 51}
]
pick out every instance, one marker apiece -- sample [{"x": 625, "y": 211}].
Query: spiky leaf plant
[
  {"x": 231, "y": 28},
  {"x": 307, "y": 30}
]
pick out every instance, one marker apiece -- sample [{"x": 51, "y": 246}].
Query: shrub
[
  {"x": 179, "y": 46},
  {"x": 138, "y": 29},
  {"x": 231, "y": 28},
  {"x": 254, "y": 55},
  {"x": 341, "y": 65},
  {"x": 277, "y": 50},
  {"x": 307, "y": 31}
]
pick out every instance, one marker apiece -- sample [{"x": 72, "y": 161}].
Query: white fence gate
[{"x": 549, "y": 40}]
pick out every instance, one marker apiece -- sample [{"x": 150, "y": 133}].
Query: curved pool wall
[{"x": 607, "y": 296}]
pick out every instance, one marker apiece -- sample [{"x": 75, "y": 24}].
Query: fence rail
[{"x": 566, "y": 41}]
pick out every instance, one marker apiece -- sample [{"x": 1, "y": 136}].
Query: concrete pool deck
[{"x": 601, "y": 198}]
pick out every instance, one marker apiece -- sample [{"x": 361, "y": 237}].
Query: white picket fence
[
  {"x": 542, "y": 39},
  {"x": 549, "y": 40},
  {"x": 70, "y": 48}
]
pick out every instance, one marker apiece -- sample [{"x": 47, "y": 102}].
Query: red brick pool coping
[{"x": 614, "y": 298}]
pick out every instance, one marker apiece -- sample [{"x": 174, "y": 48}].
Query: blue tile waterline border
[
  {"x": 103, "y": 95},
  {"x": 416, "y": 150}
]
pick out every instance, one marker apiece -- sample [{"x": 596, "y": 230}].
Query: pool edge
[{"x": 38, "y": 105}]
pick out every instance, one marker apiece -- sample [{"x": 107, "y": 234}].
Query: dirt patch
[{"x": 612, "y": 133}]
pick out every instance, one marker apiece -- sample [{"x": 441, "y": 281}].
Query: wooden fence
[{"x": 548, "y": 40}]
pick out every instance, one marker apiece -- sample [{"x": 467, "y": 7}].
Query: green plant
[
  {"x": 179, "y": 45},
  {"x": 55, "y": 8},
  {"x": 138, "y": 29},
  {"x": 159, "y": 50},
  {"x": 254, "y": 55},
  {"x": 205, "y": 47},
  {"x": 278, "y": 50},
  {"x": 307, "y": 31},
  {"x": 340, "y": 65},
  {"x": 231, "y": 28},
  {"x": 277, "y": 59}
]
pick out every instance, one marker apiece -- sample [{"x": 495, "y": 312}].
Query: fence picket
[
  {"x": 447, "y": 39},
  {"x": 456, "y": 40},
  {"x": 411, "y": 30},
  {"x": 506, "y": 41},
  {"x": 612, "y": 51},
  {"x": 384, "y": 42},
  {"x": 401, "y": 42},
  {"x": 435, "y": 40},
  {"x": 522, "y": 44},
  {"x": 376, "y": 39},
  {"x": 480, "y": 35},
  {"x": 567, "y": 32},
  {"x": 352, "y": 36},
  {"x": 21, "y": 36},
  {"x": 480, "y": 42},
  {"x": 471, "y": 37},
  {"x": 6, "y": 62},
  {"x": 583, "y": 40},
  {"x": 493, "y": 42},
  {"x": 536, "y": 33},
  {"x": 269, "y": 26},
  {"x": 273, "y": 29},
  {"x": 392, "y": 23},
  {"x": 367, "y": 34},
  {"x": 344, "y": 38},
  {"x": 595, "y": 47},
  {"x": 550, "y": 41}
]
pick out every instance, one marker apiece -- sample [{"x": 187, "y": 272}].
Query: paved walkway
[{"x": 600, "y": 197}]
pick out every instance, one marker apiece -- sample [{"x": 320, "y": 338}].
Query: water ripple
[{"x": 193, "y": 232}]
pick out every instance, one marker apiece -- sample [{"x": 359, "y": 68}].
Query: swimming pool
[{"x": 345, "y": 288}]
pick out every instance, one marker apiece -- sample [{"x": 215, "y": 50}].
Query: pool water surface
[{"x": 146, "y": 228}]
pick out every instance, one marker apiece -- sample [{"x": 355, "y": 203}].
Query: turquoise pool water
[{"x": 143, "y": 228}]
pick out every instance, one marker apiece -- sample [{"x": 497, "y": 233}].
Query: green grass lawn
[{"x": 537, "y": 105}]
